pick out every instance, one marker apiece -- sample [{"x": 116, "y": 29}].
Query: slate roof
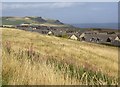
[
  {"x": 58, "y": 32},
  {"x": 118, "y": 36},
  {"x": 102, "y": 38},
  {"x": 76, "y": 34}
]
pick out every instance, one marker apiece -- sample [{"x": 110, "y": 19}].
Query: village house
[
  {"x": 50, "y": 33},
  {"x": 88, "y": 36},
  {"x": 59, "y": 33},
  {"x": 22, "y": 27},
  {"x": 42, "y": 27},
  {"x": 42, "y": 31},
  {"x": 74, "y": 37},
  {"x": 70, "y": 31},
  {"x": 100, "y": 38},
  {"x": 82, "y": 37},
  {"x": 25, "y": 24},
  {"x": 8, "y": 26},
  {"x": 117, "y": 38},
  {"x": 91, "y": 32}
]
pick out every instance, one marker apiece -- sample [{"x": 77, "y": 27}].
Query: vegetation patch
[{"x": 35, "y": 59}]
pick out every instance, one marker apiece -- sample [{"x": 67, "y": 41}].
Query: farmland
[
  {"x": 30, "y": 58},
  {"x": 33, "y": 21}
]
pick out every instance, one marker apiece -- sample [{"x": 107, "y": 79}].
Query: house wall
[
  {"x": 73, "y": 37},
  {"x": 117, "y": 39}
]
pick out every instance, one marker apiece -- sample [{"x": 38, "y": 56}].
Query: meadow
[{"x": 30, "y": 58}]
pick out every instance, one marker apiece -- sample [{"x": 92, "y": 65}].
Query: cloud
[
  {"x": 60, "y": 0},
  {"x": 62, "y": 5},
  {"x": 38, "y": 5}
]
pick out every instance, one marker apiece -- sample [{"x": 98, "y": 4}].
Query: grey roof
[
  {"x": 102, "y": 37},
  {"x": 41, "y": 31},
  {"x": 118, "y": 35},
  {"x": 58, "y": 32},
  {"x": 76, "y": 34}
]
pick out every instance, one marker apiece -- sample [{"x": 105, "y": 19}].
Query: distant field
[
  {"x": 31, "y": 20},
  {"x": 32, "y": 58}
]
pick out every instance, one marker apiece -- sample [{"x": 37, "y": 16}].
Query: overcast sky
[
  {"x": 67, "y": 12},
  {"x": 59, "y": 0}
]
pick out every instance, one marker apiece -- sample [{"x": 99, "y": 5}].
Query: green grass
[
  {"x": 31, "y": 20},
  {"x": 41, "y": 59}
]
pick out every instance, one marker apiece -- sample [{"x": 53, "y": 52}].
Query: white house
[
  {"x": 74, "y": 37},
  {"x": 117, "y": 38}
]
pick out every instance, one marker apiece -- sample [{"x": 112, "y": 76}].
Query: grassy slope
[
  {"x": 20, "y": 20},
  {"x": 12, "y": 22},
  {"x": 91, "y": 57}
]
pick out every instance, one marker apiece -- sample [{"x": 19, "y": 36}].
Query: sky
[
  {"x": 59, "y": 0},
  {"x": 67, "y": 12}
]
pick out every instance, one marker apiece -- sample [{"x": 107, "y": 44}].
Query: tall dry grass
[
  {"x": 22, "y": 69},
  {"x": 0, "y": 58},
  {"x": 31, "y": 58}
]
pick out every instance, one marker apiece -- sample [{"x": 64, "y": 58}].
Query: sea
[{"x": 98, "y": 25}]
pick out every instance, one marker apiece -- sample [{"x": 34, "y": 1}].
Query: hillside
[
  {"x": 32, "y": 21},
  {"x": 32, "y": 58}
]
